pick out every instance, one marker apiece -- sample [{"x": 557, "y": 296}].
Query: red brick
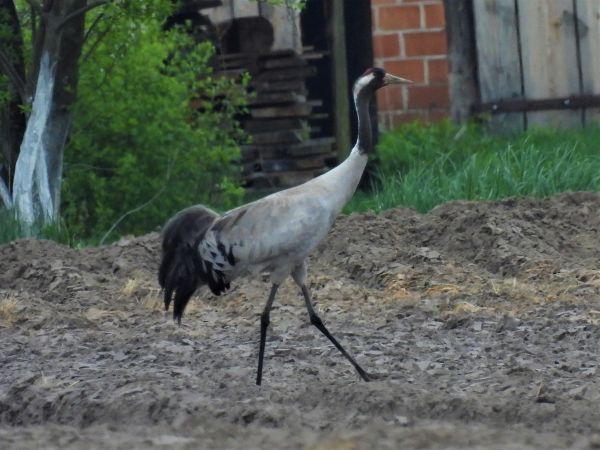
[
  {"x": 438, "y": 70},
  {"x": 382, "y": 2},
  {"x": 398, "y": 119},
  {"x": 390, "y": 98},
  {"x": 413, "y": 69},
  {"x": 438, "y": 115},
  {"x": 386, "y": 45},
  {"x": 399, "y": 17},
  {"x": 425, "y": 43},
  {"x": 434, "y": 16},
  {"x": 428, "y": 97}
]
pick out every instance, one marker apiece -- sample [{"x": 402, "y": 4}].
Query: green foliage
[
  {"x": 138, "y": 152},
  {"x": 422, "y": 167}
]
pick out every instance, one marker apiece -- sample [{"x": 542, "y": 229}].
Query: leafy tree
[
  {"x": 135, "y": 146},
  {"x": 42, "y": 80},
  {"x": 138, "y": 152}
]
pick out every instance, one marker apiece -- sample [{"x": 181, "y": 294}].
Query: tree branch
[
  {"x": 34, "y": 27},
  {"x": 81, "y": 11},
  {"x": 128, "y": 213},
  {"x": 93, "y": 26},
  {"x": 5, "y": 194},
  {"x": 142, "y": 206},
  {"x": 95, "y": 44},
  {"x": 37, "y": 8},
  {"x": 9, "y": 69}
]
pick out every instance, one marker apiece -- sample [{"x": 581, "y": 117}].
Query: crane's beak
[{"x": 393, "y": 79}]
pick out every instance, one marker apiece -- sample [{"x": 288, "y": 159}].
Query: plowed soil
[{"x": 480, "y": 321}]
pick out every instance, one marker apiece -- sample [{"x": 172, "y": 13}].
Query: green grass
[
  {"x": 11, "y": 229},
  {"x": 421, "y": 167}
]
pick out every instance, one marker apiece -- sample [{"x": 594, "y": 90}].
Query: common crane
[{"x": 274, "y": 234}]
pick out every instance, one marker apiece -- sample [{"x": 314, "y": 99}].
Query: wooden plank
[
  {"x": 277, "y": 98},
  {"x": 250, "y": 154},
  {"x": 287, "y": 74},
  {"x": 462, "y": 58},
  {"x": 276, "y": 86},
  {"x": 292, "y": 61},
  {"x": 316, "y": 55},
  {"x": 295, "y": 110},
  {"x": 314, "y": 146},
  {"x": 319, "y": 116},
  {"x": 575, "y": 102},
  {"x": 284, "y": 53},
  {"x": 280, "y": 137},
  {"x": 282, "y": 179},
  {"x": 285, "y": 165},
  {"x": 499, "y": 66},
  {"x": 549, "y": 56},
  {"x": 258, "y": 125},
  {"x": 340, "y": 83},
  {"x": 588, "y": 27},
  {"x": 231, "y": 73}
]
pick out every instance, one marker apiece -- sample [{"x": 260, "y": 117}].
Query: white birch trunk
[
  {"x": 5, "y": 194},
  {"x": 32, "y": 197}
]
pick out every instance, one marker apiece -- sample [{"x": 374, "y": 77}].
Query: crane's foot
[{"x": 364, "y": 375}]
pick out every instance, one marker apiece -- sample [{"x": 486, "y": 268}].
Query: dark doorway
[{"x": 316, "y": 25}]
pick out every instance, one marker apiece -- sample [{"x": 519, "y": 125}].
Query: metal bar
[{"x": 523, "y": 105}]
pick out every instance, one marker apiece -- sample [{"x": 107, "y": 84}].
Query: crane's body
[
  {"x": 292, "y": 223},
  {"x": 274, "y": 234}
]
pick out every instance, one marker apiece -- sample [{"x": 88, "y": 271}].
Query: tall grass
[
  {"x": 11, "y": 229},
  {"x": 423, "y": 167}
]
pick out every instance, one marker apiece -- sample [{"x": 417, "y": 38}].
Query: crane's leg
[
  {"x": 317, "y": 322},
  {"x": 264, "y": 324},
  {"x": 299, "y": 275}
]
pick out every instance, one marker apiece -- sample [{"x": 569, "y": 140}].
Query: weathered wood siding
[
  {"x": 498, "y": 56},
  {"x": 538, "y": 49},
  {"x": 285, "y": 20}
]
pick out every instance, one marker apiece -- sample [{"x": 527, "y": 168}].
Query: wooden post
[
  {"x": 462, "y": 58},
  {"x": 340, "y": 79},
  {"x": 498, "y": 59},
  {"x": 588, "y": 28},
  {"x": 550, "y": 62}
]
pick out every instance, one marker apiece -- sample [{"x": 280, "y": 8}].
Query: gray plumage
[{"x": 274, "y": 234}]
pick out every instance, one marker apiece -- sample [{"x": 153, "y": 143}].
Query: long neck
[{"x": 364, "y": 143}]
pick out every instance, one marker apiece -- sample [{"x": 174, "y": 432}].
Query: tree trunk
[
  {"x": 38, "y": 175},
  {"x": 462, "y": 58},
  {"x": 12, "y": 117},
  {"x": 31, "y": 190}
]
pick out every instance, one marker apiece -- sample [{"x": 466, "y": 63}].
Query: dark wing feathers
[{"x": 181, "y": 269}]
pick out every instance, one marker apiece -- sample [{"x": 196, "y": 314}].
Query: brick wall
[{"x": 409, "y": 40}]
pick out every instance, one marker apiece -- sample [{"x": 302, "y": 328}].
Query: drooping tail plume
[{"x": 180, "y": 270}]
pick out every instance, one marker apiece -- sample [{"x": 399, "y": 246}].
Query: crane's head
[{"x": 375, "y": 78}]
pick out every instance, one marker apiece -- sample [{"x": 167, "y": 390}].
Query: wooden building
[
  {"x": 300, "y": 117},
  {"x": 522, "y": 63}
]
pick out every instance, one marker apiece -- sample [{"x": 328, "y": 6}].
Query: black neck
[{"x": 364, "y": 142}]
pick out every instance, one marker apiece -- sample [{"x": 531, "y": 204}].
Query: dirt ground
[{"x": 480, "y": 320}]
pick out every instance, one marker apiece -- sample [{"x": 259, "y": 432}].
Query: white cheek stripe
[{"x": 362, "y": 82}]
